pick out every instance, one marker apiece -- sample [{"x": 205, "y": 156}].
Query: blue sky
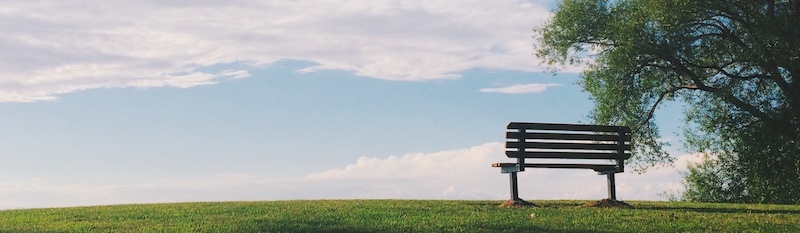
[{"x": 172, "y": 101}]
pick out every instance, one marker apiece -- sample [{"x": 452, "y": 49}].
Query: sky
[{"x": 117, "y": 102}]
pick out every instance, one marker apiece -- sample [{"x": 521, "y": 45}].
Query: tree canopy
[{"x": 731, "y": 62}]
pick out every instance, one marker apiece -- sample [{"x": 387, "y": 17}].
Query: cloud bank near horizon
[
  {"x": 56, "y": 47},
  {"x": 460, "y": 174}
]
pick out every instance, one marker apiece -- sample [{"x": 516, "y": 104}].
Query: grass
[{"x": 404, "y": 216}]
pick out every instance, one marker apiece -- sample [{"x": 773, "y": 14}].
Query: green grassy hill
[{"x": 404, "y": 216}]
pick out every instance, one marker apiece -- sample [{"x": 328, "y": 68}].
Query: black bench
[{"x": 582, "y": 143}]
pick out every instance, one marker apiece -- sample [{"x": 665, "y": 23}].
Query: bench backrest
[{"x": 567, "y": 141}]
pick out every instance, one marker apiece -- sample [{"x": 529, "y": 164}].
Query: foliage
[
  {"x": 731, "y": 62},
  {"x": 404, "y": 216},
  {"x": 715, "y": 181}
]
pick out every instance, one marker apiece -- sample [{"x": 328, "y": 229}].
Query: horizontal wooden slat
[
  {"x": 565, "y": 155},
  {"x": 564, "y": 136},
  {"x": 566, "y": 127},
  {"x": 596, "y": 167},
  {"x": 565, "y": 146},
  {"x": 504, "y": 164}
]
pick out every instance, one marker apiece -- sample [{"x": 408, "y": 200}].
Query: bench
[{"x": 586, "y": 146}]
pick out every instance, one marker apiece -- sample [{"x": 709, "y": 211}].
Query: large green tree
[{"x": 731, "y": 62}]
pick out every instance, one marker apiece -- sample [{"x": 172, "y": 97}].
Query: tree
[{"x": 731, "y": 62}]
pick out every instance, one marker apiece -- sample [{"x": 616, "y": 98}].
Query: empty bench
[{"x": 581, "y": 146}]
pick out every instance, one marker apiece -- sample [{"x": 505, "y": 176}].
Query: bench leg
[
  {"x": 612, "y": 191},
  {"x": 515, "y": 201},
  {"x": 514, "y": 189}
]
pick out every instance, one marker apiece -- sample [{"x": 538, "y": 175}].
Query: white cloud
[
  {"x": 452, "y": 174},
  {"x": 236, "y": 73},
  {"x": 418, "y": 165},
  {"x": 55, "y": 47},
  {"x": 682, "y": 162},
  {"x": 466, "y": 174},
  {"x": 521, "y": 88}
]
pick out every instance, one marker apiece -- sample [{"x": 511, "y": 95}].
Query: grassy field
[{"x": 404, "y": 216}]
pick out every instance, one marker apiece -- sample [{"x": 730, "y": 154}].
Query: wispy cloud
[
  {"x": 55, "y": 47},
  {"x": 521, "y": 88}
]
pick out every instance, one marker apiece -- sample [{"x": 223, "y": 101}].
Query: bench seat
[{"x": 600, "y": 168}]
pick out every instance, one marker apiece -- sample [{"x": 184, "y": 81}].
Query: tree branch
[
  {"x": 681, "y": 68},
  {"x": 661, "y": 97}
]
